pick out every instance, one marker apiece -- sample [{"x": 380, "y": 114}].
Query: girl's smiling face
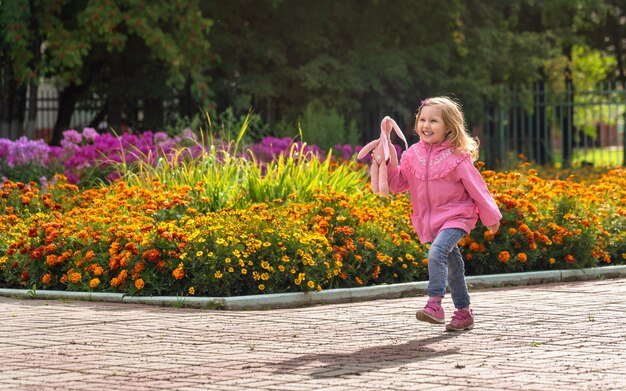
[{"x": 430, "y": 126}]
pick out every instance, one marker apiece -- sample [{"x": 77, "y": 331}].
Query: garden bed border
[{"x": 329, "y": 296}]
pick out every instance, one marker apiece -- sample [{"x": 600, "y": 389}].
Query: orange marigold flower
[
  {"x": 46, "y": 279},
  {"x": 94, "y": 282},
  {"x": 569, "y": 258},
  {"x": 358, "y": 280},
  {"x": 522, "y": 257},
  {"x": 504, "y": 256},
  {"x": 178, "y": 273},
  {"x": 75, "y": 277},
  {"x": 51, "y": 260},
  {"x": 89, "y": 255},
  {"x": 131, "y": 247},
  {"x": 151, "y": 255},
  {"x": 98, "y": 270},
  {"x": 139, "y": 284}
]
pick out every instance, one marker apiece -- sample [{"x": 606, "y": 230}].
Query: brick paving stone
[{"x": 561, "y": 336}]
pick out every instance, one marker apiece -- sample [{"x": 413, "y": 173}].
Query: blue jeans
[{"x": 446, "y": 264}]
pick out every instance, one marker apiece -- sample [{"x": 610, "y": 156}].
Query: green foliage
[
  {"x": 29, "y": 172},
  {"x": 325, "y": 127}
]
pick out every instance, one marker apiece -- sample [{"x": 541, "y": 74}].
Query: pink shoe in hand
[
  {"x": 461, "y": 320},
  {"x": 432, "y": 313}
]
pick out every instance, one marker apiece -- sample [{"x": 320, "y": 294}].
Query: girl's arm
[
  {"x": 396, "y": 178},
  {"x": 475, "y": 186}
]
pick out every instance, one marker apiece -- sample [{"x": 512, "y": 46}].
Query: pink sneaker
[
  {"x": 432, "y": 313},
  {"x": 461, "y": 320}
]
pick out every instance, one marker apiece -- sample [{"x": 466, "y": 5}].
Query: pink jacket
[{"x": 446, "y": 190}]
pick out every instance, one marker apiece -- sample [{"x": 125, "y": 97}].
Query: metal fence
[
  {"x": 564, "y": 128},
  {"x": 47, "y": 108},
  {"x": 553, "y": 127}
]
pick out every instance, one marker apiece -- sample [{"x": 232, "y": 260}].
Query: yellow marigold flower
[
  {"x": 199, "y": 253},
  {"x": 267, "y": 244},
  {"x": 218, "y": 274},
  {"x": 94, "y": 282},
  {"x": 191, "y": 291},
  {"x": 244, "y": 271},
  {"x": 265, "y": 276},
  {"x": 139, "y": 284},
  {"x": 409, "y": 257},
  {"x": 504, "y": 256},
  {"x": 261, "y": 287},
  {"x": 46, "y": 279},
  {"x": 281, "y": 268},
  {"x": 552, "y": 261},
  {"x": 297, "y": 281},
  {"x": 311, "y": 284},
  {"x": 230, "y": 270}
]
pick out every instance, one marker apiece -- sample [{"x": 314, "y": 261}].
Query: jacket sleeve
[
  {"x": 475, "y": 186},
  {"x": 396, "y": 178}
]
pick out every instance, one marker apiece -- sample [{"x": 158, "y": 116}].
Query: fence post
[
  {"x": 624, "y": 143},
  {"x": 501, "y": 135}
]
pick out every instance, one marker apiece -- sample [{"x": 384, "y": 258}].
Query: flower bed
[{"x": 217, "y": 224}]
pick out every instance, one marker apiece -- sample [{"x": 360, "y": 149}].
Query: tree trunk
[
  {"x": 114, "y": 95},
  {"x": 31, "y": 118},
  {"x": 67, "y": 103},
  {"x": 153, "y": 114}
]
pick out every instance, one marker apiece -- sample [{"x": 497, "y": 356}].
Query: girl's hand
[{"x": 494, "y": 228}]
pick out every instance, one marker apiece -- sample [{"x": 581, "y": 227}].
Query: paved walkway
[{"x": 564, "y": 336}]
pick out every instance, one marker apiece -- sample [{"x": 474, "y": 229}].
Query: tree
[{"x": 124, "y": 50}]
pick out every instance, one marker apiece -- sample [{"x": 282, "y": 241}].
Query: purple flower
[{"x": 90, "y": 134}]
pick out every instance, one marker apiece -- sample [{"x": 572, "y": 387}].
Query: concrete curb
[{"x": 301, "y": 299}]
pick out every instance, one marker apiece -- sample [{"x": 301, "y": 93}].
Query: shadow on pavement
[{"x": 368, "y": 359}]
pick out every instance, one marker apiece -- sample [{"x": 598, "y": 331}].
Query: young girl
[{"x": 448, "y": 196}]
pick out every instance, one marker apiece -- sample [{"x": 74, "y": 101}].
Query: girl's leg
[
  {"x": 456, "y": 279},
  {"x": 438, "y": 255},
  {"x": 463, "y": 318}
]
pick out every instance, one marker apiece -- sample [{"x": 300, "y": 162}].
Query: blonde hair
[{"x": 454, "y": 120}]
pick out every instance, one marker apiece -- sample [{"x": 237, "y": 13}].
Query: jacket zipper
[{"x": 430, "y": 149}]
